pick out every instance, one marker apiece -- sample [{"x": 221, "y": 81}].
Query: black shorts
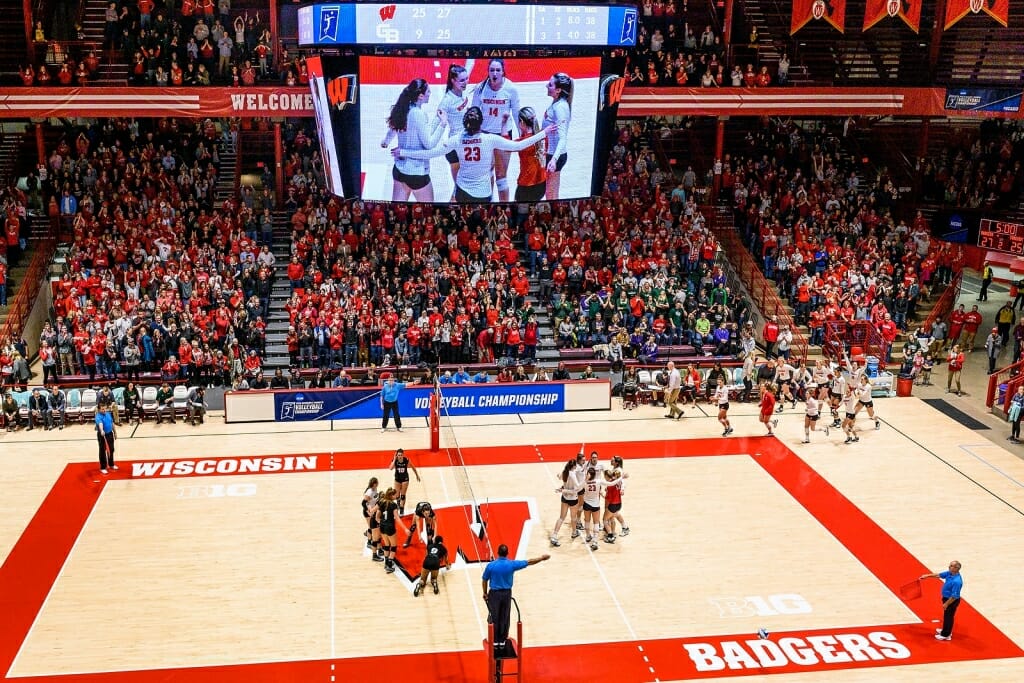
[
  {"x": 431, "y": 563},
  {"x": 570, "y": 503},
  {"x": 867, "y": 404},
  {"x": 812, "y": 418},
  {"x": 402, "y": 478},
  {"x": 784, "y": 383},
  {"x": 463, "y": 196},
  {"x": 374, "y": 524},
  {"x": 590, "y": 508},
  {"x": 414, "y": 182},
  {"x": 452, "y": 157},
  {"x": 851, "y": 416},
  {"x": 530, "y": 193},
  {"x": 387, "y": 529},
  {"x": 723, "y": 406},
  {"x": 614, "y": 507},
  {"x": 560, "y": 164},
  {"x": 835, "y": 397}
]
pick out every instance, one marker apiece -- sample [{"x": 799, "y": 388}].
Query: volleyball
[{"x": 762, "y": 633}]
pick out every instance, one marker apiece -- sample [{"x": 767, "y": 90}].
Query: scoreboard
[
  {"x": 1001, "y": 236},
  {"x": 487, "y": 25}
]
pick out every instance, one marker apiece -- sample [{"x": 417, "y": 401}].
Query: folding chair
[
  {"x": 181, "y": 400},
  {"x": 149, "y": 404},
  {"x": 73, "y": 406},
  {"x": 88, "y": 411}
]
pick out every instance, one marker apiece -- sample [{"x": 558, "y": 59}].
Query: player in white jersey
[
  {"x": 415, "y": 131},
  {"x": 784, "y": 379},
  {"x": 812, "y": 413},
  {"x": 498, "y": 100},
  {"x": 476, "y": 152},
  {"x": 850, "y": 419},
  {"x": 864, "y": 400},
  {"x": 836, "y": 393},
  {"x": 721, "y": 397},
  {"x": 454, "y": 104},
  {"x": 557, "y": 115},
  {"x": 592, "y": 521},
  {"x": 569, "y": 490}
]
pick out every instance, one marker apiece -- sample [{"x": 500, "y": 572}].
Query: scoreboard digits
[
  {"x": 1001, "y": 236},
  {"x": 468, "y": 24}
]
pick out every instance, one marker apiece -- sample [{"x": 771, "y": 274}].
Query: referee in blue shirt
[
  {"x": 106, "y": 433},
  {"x": 389, "y": 402},
  {"x": 952, "y": 584},
  {"x": 497, "y": 582}
]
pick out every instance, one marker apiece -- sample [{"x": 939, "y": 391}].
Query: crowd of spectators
[
  {"x": 671, "y": 52},
  {"x": 834, "y": 247},
  {"x": 197, "y": 43},
  {"x": 626, "y": 273},
  {"x": 981, "y": 168},
  {"x": 161, "y": 276}
]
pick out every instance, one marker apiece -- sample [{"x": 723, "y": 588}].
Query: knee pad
[{"x": 501, "y": 183}]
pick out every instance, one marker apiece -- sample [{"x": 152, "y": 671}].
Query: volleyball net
[{"x": 445, "y": 440}]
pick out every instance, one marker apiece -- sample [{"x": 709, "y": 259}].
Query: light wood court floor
[{"x": 203, "y": 571}]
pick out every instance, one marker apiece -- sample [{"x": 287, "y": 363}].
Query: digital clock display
[
  {"x": 1001, "y": 236},
  {"x": 490, "y": 25}
]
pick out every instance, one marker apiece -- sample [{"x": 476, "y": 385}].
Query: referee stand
[{"x": 512, "y": 651}]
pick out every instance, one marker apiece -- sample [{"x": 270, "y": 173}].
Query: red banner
[
  {"x": 22, "y": 103},
  {"x": 997, "y": 9},
  {"x": 213, "y": 102},
  {"x": 907, "y": 10},
  {"x": 830, "y": 11}
]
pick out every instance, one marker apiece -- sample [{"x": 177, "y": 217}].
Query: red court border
[{"x": 35, "y": 562}]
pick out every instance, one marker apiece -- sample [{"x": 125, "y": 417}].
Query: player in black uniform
[
  {"x": 387, "y": 517},
  {"x": 370, "y": 497},
  {"x": 425, "y": 512},
  {"x": 436, "y": 557},
  {"x": 401, "y": 465}
]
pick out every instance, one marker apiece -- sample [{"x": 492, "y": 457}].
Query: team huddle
[{"x": 584, "y": 484}]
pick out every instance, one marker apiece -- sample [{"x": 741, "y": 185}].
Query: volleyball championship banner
[
  {"x": 907, "y": 10},
  {"x": 414, "y": 401},
  {"x": 997, "y": 9},
  {"x": 830, "y": 11}
]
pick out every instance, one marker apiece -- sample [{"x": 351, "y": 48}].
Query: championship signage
[
  {"x": 414, "y": 401},
  {"x": 983, "y": 99}
]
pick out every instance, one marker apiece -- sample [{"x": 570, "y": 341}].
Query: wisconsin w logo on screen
[
  {"x": 341, "y": 91},
  {"x": 611, "y": 90}
]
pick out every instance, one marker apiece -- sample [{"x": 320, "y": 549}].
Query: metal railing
[
  {"x": 763, "y": 292},
  {"x": 25, "y": 300},
  {"x": 1012, "y": 376}
]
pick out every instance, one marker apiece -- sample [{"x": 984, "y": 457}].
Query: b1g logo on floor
[
  {"x": 758, "y": 606},
  {"x": 216, "y": 491}
]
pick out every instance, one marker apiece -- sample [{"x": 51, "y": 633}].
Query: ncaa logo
[
  {"x": 818, "y": 9},
  {"x": 892, "y": 7},
  {"x": 977, "y": 5},
  {"x": 341, "y": 91}
]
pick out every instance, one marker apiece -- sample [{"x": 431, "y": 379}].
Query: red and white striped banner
[
  {"x": 252, "y": 102},
  {"x": 213, "y": 102}
]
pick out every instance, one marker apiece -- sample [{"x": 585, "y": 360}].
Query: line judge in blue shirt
[
  {"x": 389, "y": 402},
  {"x": 497, "y": 583},
  {"x": 952, "y": 584}
]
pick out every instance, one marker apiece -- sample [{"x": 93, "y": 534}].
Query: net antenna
[{"x": 477, "y": 516}]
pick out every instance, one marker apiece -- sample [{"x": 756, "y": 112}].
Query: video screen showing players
[{"x": 477, "y": 130}]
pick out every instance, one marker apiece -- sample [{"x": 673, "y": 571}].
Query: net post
[{"x": 435, "y": 422}]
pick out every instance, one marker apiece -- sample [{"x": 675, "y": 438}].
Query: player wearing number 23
[{"x": 476, "y": 155}]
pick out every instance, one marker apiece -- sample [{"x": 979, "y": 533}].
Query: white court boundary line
[
  {"x": 49, "y": 592},
  {"x": 968, "y": 449}
]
